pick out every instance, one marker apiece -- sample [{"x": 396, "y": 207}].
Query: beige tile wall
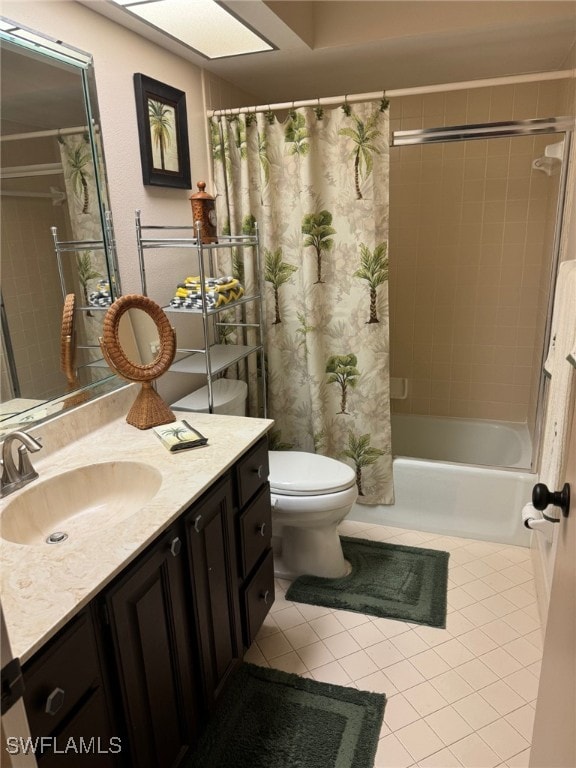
[
  {"x": 31, "y": 287},
  {"x": 471, "y": 225}
]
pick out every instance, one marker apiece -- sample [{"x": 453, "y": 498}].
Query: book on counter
[{"x": 179, "y": 436}]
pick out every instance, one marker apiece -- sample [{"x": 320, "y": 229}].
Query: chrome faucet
[{"x": 14, "y": 477}]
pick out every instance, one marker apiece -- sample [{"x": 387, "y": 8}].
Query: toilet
[{"x": 311, "y": 495}]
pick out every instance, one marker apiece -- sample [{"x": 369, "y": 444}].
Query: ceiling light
[{"x": 203, "y": 25}]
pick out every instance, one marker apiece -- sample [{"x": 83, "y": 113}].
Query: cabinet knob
[
  {"x": 175, "y": 546},
  {"x": 54, "y": 701},
  {"x": 261, "y": 529},
  {"x": 265, "y": 595},
  {"x": 259, "y": 471},
  {"x": 197, "y": 520}
]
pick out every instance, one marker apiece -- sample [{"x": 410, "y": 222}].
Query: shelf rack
[{"x": 212, "y": 359}]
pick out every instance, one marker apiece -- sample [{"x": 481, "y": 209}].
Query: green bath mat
[
  {"x": 272, "y": 719},
  {"x": 387, "y": 580}
]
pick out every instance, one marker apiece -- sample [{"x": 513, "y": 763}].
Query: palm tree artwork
[
  {"x": 342, "y": 370},
  {"x": 296, "y": 135},
  {"x": 362, "y": 454},
  {"x": 176, "y": 432},
  {"x": 161, "y": 116},
  {"x": 374, "y": 269},
  {"x": 302, "y": 331},
  {"x": 86, "y": 272},
  {"x": 318, "y": 230},
  {"x": 80, "y": 160},
  {"x": 364, "y": 135},
  {"x": 277, "y": 272}
]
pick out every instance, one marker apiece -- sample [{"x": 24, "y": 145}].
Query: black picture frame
[{"x": 163, "y": 133}]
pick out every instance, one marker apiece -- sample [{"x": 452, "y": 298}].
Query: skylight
[{"x": 203, "y": 25}]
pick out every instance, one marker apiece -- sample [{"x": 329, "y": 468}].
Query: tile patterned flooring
[{"x": 460, "y": 696}]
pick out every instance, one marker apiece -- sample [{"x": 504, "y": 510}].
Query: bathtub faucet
[{"x": 14, "y": 477}]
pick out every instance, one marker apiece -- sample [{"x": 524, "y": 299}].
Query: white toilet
[{"x": 311, "y": 495}]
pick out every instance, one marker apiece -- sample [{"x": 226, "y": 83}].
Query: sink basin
[{"x": 78, "y": 502}]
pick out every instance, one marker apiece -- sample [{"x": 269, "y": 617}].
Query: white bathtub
[
  {"x": 457, "y": 499},
  {"x": 466, "y": 441}
]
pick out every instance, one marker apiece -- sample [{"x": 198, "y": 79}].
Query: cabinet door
[
  {"x": 67, "y": 711},
  {"x": 213, "y": 573},
  {"x": 147, "y": 611},
  {"x": 79, "y": 745}
]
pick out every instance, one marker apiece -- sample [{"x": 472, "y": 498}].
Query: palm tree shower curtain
[
  {"x": 90, "y": 269},
  {"x": 317, "y": 185}
]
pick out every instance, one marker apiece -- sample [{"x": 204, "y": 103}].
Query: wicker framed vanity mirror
[{"x": 123, "y": 351}]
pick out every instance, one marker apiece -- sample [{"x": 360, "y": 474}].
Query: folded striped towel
[{"x": 217, "y": 292}]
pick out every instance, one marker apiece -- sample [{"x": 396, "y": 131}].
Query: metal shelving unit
[
  {"x": 213, "y": 358},
  {"x": 108, "y": 245}
]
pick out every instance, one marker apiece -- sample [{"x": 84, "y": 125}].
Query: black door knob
[{"x": 542, "y": 497}]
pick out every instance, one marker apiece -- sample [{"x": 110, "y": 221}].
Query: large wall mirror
[{"x": 57, "y": 234}]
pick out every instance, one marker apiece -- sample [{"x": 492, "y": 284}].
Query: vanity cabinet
[
  {"x": 65, "y": 701},
  {"x": 140, "y": 668},
  {"x": 254, "y": 539},
  {"x": 211, "y": 543},
  {"x": 146, "y": 612}
]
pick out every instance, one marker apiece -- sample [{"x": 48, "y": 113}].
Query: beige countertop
[{"x": 44, "y": 585}]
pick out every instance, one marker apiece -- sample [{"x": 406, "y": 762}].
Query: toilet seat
[{"x": 297, "y": 473}]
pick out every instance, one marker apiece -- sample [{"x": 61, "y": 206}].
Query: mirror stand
[{"x": 148, "y": 410}]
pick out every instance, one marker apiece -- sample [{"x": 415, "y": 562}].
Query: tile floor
[{"x": 460, "y": 696}]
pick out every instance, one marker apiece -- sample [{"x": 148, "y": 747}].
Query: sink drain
[{"x": 56, "y": 537}]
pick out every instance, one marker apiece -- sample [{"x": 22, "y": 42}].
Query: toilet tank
[{"x": 229, "y": 396}]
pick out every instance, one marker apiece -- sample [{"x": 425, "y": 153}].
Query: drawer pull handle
[
  {"x": 197, "y": 523},
  {"x": 261, "y": 529},
  {"x": 175, "y": 547},
  {"x": 259, "y": 471},
  {"x": 264, "y": 596},
  {"x": 54, "y": 701}
]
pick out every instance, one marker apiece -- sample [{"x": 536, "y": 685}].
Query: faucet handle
[{"x": 25, "y": 468}]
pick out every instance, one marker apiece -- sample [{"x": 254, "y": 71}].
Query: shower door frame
[{"x": 510, "y": 129}]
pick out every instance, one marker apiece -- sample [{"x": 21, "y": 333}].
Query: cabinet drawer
[
  {"x": 252, "y": 472},
  {"x": 258, "y": 598},
  {"x": 255, "y": 530},
  {"x": 60, "y": 676}
]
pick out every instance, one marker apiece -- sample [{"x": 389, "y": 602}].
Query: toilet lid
[{"x": 295, "y": 473}]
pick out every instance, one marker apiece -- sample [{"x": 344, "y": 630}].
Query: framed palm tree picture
[{"x": 163, "y": 132}]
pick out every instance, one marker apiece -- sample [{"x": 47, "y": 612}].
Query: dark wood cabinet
[
  {"x": 65, "y": 703},
  {"x": 153, "y": 651},
  {"x": 135, "y": 675},
  {"x": 211, "y": 543},
  {"x": 254, "y": 539}
]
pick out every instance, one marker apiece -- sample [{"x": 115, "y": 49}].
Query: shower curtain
[
  {"x": 316, "y": 183},
  {"x": 90, "y": 269}
]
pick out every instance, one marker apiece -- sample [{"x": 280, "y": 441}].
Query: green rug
[
  {"x": 387, "y": 580},
  {"x": 272, "y": 719}
]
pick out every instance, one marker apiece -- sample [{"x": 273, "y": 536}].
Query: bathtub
[
  {"x": 466, "y": 441},
  {"x": 434, "y": 493}
]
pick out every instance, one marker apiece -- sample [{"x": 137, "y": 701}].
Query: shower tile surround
[
  {"x": 471, "y": 229},
  {"x": 460, "y": 696}
]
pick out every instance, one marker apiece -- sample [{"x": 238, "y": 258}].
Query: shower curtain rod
[
  {"x": 419, "y": 90},
  {"x": 43, "y": 134},
  {"x": 24, "y": 171},
  {"x": 56, "y": 195}
]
